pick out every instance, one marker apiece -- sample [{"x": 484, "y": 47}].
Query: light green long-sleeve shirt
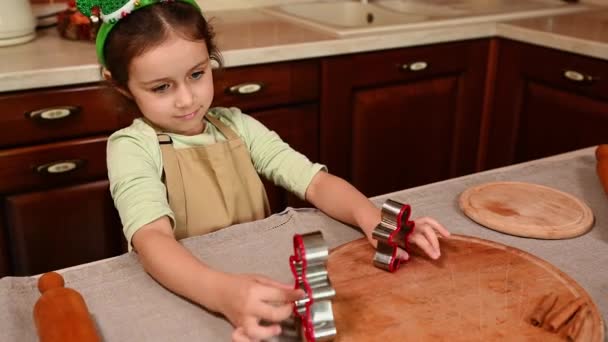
[{"x": 135, "y": 164}]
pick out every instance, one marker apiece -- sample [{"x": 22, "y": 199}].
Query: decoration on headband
[{"x": 110, "y": 12}]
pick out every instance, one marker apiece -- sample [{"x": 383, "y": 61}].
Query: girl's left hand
[{"x": 426, "y": 235}]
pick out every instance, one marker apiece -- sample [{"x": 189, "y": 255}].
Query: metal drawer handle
[
  {"x": 576, "y": 76},
  {"x": 245, "y": 88},
  {"x": 53, "y": 113},
  {"x": 416, "y": 66},
  {"x": 60, "y": 167}
]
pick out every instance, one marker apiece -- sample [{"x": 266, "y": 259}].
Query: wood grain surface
[
  {"x": 477, "y": 291},
  {"x": 526, "y": 209}
]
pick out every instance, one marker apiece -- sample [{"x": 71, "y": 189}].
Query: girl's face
[{"x": 172, "y": 85}]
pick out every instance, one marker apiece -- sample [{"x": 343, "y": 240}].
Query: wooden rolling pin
[
  {"x": 601, "y": 155},
  {"x": 61, "y": 313}
]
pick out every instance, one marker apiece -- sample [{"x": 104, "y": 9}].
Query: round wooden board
[
  {"x": 477, "y": 291},
  {"x": 527, "y": 210}
]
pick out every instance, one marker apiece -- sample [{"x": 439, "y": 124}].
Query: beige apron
[{"x": 212, "y": 187}]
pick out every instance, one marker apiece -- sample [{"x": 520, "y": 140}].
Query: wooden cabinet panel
[
  {"x": 393, "y": 148},
  {"x": 537, "y": 111},
  {"x": 385, "y": 128},
  {"x": 43, "y": 115},
  {"x": 268, "y": 85},
  {"x": 54, "y": 164},
  {"x": 62, "y": 227},
  {"x": 553, "y": 121},
  {"x": 299, "y": 127}
]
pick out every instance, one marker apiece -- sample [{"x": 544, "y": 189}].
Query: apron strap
[
  {"x": 222, "y": 127},
  {"x": 173, "y": 179}
]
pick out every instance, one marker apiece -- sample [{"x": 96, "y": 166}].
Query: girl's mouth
[{"x": 187, "y": 116}]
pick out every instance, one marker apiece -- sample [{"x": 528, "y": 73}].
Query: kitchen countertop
[
  {"x": 128, "y": 305},
  {"x": 252, "y": 36}
]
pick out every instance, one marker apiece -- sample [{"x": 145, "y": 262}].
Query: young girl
[{"x": 186, "y": 169}]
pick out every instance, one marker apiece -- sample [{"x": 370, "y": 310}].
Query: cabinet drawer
[
  {"x": 52, "y": 164},
  {"x": 410, "y": 63},
  {"x": 255, "y": 87},
  {"x": 47, "y": 115},
  {"x": 564, "y": 70}
]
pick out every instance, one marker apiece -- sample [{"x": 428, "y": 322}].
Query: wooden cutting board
[
  {"x": 478, "y": 291},
  {"x": 528, "y": 210}
]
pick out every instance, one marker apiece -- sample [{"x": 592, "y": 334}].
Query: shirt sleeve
[
  {"x": 276, "y": 160},
  {"x": 135, "y": 170}
]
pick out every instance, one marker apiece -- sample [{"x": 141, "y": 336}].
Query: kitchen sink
[
  {"x": 451, "y": 8},
  {"x": 476, "y": 7},
  {"x": 345, "y": 17},
  {"x": 420, "y": 8}
]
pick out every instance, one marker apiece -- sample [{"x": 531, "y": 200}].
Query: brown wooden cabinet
[
  {"x": 546, "y": 102},
  {"x": 62, "y": 227},
  {"x": 56, "y": 208},
  {"x": 400, "y": 118}
]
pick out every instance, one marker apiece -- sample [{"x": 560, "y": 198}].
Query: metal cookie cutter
[
  {"x": 392, "y": 232},
  {"x": 314, "y": 312}
]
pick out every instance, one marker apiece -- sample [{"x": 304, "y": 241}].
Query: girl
[{"x": 186, "y": 169}]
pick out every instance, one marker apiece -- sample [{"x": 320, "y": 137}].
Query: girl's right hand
[{"x": 246, "y": 300}]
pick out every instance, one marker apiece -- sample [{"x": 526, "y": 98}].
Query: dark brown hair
[{"x": 149, "y": 27}]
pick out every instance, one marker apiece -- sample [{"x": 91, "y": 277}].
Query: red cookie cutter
[
  {"x": 391, "y": 233},
  {"x": 314, "y": 312}
]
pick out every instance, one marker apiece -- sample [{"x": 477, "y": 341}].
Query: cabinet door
[
  {"x": 299, "y": 127},
  {"x": 396, "y": 119},
  {"x": 62, "y": 227},
  {"x": 546, "y": 102},
  {"x": 553, "y": 121}
]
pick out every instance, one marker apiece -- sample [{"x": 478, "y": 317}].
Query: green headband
[{"x": 110, "y": 12}]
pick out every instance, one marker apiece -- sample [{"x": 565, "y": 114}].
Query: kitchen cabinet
[
  {"x": 284, "y": 97},
  {"x": 56, "y": 208},
  {"x": 399, "y": 118},
  {"x": 546, "y": 102},
  {"x": 63, "y": 227}
]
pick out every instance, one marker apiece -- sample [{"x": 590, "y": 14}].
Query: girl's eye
[
  {"x": 161, "y": 88},
  {"x": 197, "y": 75}
]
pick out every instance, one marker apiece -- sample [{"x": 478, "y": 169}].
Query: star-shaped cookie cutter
[
  {"x": 314, "y": 312},
  {"x": 391, "y": 233}
]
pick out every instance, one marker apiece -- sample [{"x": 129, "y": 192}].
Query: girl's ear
[{"x": 108, "y": 77}]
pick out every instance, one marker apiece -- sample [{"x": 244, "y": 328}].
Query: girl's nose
[{"x": 184, "y": 97}]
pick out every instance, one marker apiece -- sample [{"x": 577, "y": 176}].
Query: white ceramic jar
[{"x": 17, "y": 22}]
